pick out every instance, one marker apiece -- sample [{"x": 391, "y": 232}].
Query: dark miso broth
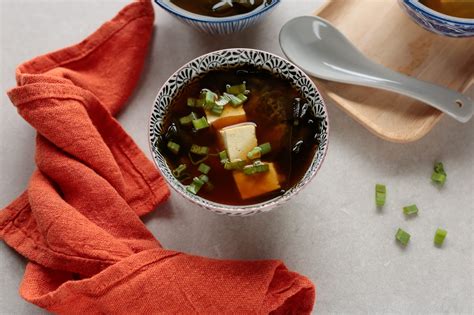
[
  {"x": 216, "y": 8},
  {"x": 457, "y": 8},
  {"x": 282, "y": 117}
]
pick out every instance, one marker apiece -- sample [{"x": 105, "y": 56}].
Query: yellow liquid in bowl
[{"x": 457, "y": 8}]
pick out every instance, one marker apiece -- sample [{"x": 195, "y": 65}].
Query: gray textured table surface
[{"x": 331, "y": 232}]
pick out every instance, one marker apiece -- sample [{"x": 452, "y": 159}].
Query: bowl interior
[
  {"x": 174, "y": 9},
  {"x": 233, "y": 58},
  {"x": 438, "y": 15}
]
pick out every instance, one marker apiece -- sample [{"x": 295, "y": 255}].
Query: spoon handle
[{"x": 453, "y": 103}]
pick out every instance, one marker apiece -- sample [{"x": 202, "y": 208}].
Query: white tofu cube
[{"x": 239, "y": 140}]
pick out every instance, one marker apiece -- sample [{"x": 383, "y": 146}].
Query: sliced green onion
[
  {"x": 438, "y": 178},
  {"x": 380, "y": 195},
  {"x": 234, "y": 100},
  {"x": 403, "y": 237},
  {"x": 204, "y": 168},
  {"x": 410, "y": 210},
  {"x": 204, "y": 178},
  {"x": 173, "y": 147},
  {"x": 191, "y": 102},
  {"x": 217, "y": 110},
  {"x": 223, "y": 100},
  {"x": 242, "y": 97},
  {"x": 256, "y": 168},
  {"x": 199, "y": 161},
  {"x": 200, "y": 123},
  {"x": 236, "y": 89},
  {"x": 199, "y": 103},
  {"x": 255, "y": 153},
  {"x": 195, "y": 186},
  {"x": 439, "y": 237},
  {"x": 199, "y": 150},
  {"x": 177, "y": 172},
  {"x": 223, "y": 157},
  {"x": 439, "y": 168},
  {"x": 234, "y": 165},
  {"x": 187, "y": 120},
  {"x": 266, "y": 148},
  {"x": 439, "y": 175},
  {"x": 209, "y": 98}
]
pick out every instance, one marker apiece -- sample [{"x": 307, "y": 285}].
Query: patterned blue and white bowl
[
  {"x": 218, "y": 25},
  {"x": 232, "y": 58},
  {"x": 437, "y": 22}
]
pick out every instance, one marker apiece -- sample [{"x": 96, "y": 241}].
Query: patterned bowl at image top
[
  {"x": 218, "y": 25},
  {"x": 437, "y": 22},
  {"x": 233, "y": 58}
]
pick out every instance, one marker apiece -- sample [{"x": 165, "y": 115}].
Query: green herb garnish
[
  {"x": 200, "y": 123},
  {"x": 255, "y": 153},
  {"x": 204, "y": 168},
  {"x": 234, "y": 165},
  {"x": 195, "y": 186},
  {"x": 178, "y": 172},
  {"x": 410, "y": 210},
  {"x": 403, "y": 237},
  {"x": 439, "y": 237},
  {"x": 257, "y": 167},
  {"x": 236, "y": 89},
  {"x": 380, "y": 195},
  {"x": 199, "y": 150},
  {"x": 439, "y": 175},
  {"x": 187, "y": 120},
  {"x": 173, "y": 147},
  {"x": 266, "y": 148}
]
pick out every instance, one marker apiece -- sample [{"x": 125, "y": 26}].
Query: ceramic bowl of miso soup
[
  {"x": 218, "y": 17},
  {"x": 238, "y": 131},
  {"x": 454, "y": 18}
]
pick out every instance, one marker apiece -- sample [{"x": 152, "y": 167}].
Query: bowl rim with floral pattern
[{"x": 234, "y": 58}]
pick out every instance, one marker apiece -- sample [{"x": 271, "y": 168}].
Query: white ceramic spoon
[{"x": 321, "y": 50}]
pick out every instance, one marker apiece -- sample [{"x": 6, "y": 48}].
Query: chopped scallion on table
[
  {"x": 410, "y": 210},
  {"x": 173, "y": 147},
  {"x": 439, "y": 175},
  {"x": 380, "y": 195},
  {"x": 204, "y": 168},
  {"x": 439, "y": 237},
  {"x": 403, "y": 237}
]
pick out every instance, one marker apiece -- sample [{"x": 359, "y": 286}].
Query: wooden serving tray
[{"x": 382, "y": 31}]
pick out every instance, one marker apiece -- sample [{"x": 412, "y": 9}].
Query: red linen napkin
[{"x": 78, "y": 221}]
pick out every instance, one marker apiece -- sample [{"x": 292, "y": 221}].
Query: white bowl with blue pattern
[
  {"x": 225, "y": 59},
  {"x": 437, "y": 22},
  {"x": 218, "y": 25}
]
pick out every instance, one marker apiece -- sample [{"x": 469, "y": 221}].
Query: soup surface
[
  {"x": 457, "y": 8},
  {"x": 282, "y": 117},
  {"x": 216, "y": 8}
]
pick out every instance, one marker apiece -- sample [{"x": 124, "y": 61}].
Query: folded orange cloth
[{"x": 78, "y": 221}]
